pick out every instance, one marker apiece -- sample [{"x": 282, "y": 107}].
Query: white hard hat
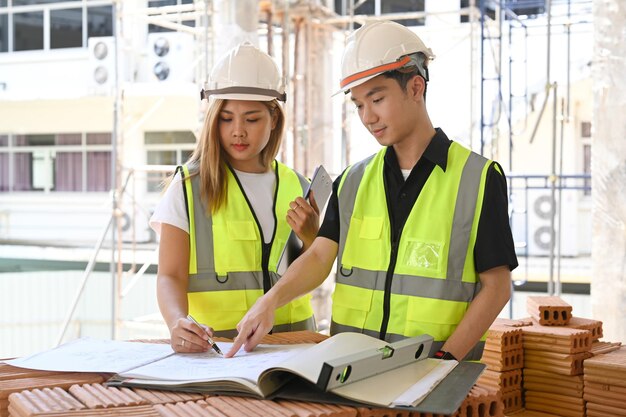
[
  {"x": 378, "y": 47},
  {"x": 245, "y": 73}
]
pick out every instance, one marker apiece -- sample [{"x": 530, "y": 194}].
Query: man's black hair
[
  {"x": 403, "y": 75},
  {"x": 402, "y": 78}
]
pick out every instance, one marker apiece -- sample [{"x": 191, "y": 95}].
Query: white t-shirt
[{"x": 259, "y": 189}]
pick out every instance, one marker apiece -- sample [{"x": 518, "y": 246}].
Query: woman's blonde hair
[{"x": 209, "y": 158}]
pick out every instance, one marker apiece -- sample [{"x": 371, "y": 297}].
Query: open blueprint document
[
  {"x": 94, "y": 355},
  {"x": 259, "y": 373}
]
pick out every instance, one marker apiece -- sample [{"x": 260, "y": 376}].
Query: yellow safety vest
[
  {"x": 429, "y": 274},
  {"x": 230, "y": 266}
]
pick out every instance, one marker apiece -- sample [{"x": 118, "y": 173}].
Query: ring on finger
[{"x": 182, "y": 343}]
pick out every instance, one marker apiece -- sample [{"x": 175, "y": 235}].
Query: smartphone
[{"x": 322, "y": 187}]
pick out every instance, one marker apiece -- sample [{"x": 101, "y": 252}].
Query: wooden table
[{"x": 26, "y": 393}]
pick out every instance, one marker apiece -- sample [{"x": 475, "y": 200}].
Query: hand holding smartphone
[{"x": 322, "y": 186}]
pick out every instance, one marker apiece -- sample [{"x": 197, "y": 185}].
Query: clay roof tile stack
[
  {"x": 13, "y": 379},
  {"x": 605, "y": 384},
  {"x": 165, "y": 397},
  {"x": 98, "y": 400}
]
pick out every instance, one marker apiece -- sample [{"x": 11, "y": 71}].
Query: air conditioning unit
[
  {"x": 534, "y": 227},
  {"x": 170, "y": 57},
  {"x": 539, "y": 218},
  {"x": 101, "y": 65},
  {"x": 134, "y": 224}
]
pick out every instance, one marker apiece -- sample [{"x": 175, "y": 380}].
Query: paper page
[
  {"x": 232, "y": 384},
  {"x": 208, "y": 366},
  {"x": 383, "y": 389},
  {"x": 418, "y": 391},
  {"x": 339, "y": 345},
  {"x": 93, "y": 355}
]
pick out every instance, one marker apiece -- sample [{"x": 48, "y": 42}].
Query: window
[
  {"x": 100, "y": 21},
  {"x": 403, "y": 6},
  {"x": 463, "y": 5},
  {"x": 42, "y": 26},
  {"x": 152, "y": 138},
  {"x": 162, "y": 3},
  {"x": 4, "y": 163},
  {"x": 167, "y": 148},
  {"x": 69, "y": 164},
  {"x": 587, "y": 167},
  {"x": 27, "y": 31},
  {"x": 342, "y": 7},
  {"x": 64, "y": 162},
  {"x": 4, "y": 33},
  {"x": 30, "y": 2},
  {"x": 66, "y": 28},
  {"x": 585, "y": 129},
  {"x": 98, "y": 163},
  {"x": 34, "y": 170},
  {"x": 382, "y": 7}
]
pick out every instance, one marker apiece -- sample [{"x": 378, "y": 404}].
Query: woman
[{"x": 228, "y": 212}]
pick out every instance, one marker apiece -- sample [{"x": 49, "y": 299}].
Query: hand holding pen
[{"x": 208, "y": 338}]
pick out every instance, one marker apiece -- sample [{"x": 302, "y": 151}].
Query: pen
[{"x": 211, "y": 342}]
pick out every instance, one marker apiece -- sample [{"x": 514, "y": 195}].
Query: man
[{"x": 420, "y": 230}]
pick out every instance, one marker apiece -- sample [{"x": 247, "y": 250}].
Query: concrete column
[{"x": 608, "y": 167}]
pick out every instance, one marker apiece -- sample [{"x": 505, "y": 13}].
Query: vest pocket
[
  {"x": 421, "y": 255},
  {"x": 351, "y": 305},
  {"x": 438, "y": 318},
  {"x": 366, "y": 245},
  {"x": 240, "y": 252}
]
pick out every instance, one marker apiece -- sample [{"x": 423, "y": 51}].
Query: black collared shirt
[{"x": 494, "y": 241}]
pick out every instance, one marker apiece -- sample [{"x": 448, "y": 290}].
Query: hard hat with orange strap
[{"x": 378, "y": 47}]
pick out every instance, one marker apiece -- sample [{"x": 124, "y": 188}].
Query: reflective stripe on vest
[
  {"x": 434, "y": 276},
  {"x": 226, "y": 275}
]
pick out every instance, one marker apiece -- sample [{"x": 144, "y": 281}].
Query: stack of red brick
[
  {"x": 605, "y": 384},
  {"x": 481, "y": 402},
  {"x": 554, "y": 358},
  {"x": 504, "y": 358},
  {"x": 556, "y": 351}
]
